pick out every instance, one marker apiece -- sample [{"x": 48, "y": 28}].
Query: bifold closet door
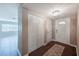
[{"x": 34, "y": 33}]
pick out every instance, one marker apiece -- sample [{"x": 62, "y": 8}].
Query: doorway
[{"x": 62, "y": 30}]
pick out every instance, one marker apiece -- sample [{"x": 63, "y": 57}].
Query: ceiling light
[
  {"x": 56, "y": 11},
  {"x": 62, "y": 22}
]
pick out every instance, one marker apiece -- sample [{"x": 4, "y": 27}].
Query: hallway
[
  {"x": 37, "y": 28},
  {"x": 49, "y": 22}
]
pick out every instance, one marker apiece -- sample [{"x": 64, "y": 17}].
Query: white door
[
  {"x": 32, "y": 37},
  {"x": 62, "y": 30},
  {"x": 35, "y": 32}
]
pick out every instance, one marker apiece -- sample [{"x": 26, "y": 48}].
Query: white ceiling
[{"x": 46, "y": 9}]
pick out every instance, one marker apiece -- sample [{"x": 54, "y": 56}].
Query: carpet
[{"x": 55, "y": 50}]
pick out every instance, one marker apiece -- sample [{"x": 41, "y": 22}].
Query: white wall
[{"x": 78, "y": 33}]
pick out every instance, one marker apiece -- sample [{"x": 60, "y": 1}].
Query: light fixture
[
  {"x": 62, "y": 22},
  {"x": 56, "y": 11}
]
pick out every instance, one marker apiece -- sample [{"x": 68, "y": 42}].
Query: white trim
[
  {"x": 45, "y": 43},
  {"x": 77, "y": 51},
  {"x": 18, "y": 52},
  {"x": 61, "y": 42},
  {"x": 66, "y": 43},
  {"x": 27, "y": 54}
]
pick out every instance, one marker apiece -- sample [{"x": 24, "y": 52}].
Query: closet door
[
  {"x": 40, "y": 32},
  {"x": 31, "y": 33},
  {"x": 34, "y": 32}
]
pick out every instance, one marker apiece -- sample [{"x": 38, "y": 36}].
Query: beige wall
[
  {"x": 24, "y": 31},
  {"x": 78, "y": 33},
  {"x": 73, "y": 29}
]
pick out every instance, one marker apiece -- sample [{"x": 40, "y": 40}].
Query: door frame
[{"x": 69, "y": 31}]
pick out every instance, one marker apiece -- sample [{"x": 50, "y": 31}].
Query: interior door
[
  {"x": 35, "y": 33},
  {"x": 62, "y": 30}
]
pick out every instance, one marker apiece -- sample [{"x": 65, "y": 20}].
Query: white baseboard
[
  {"x": 19, "y": 52},
  {"x": 77, "y": 50},
  {"x": 66, "y": 43},
  {"x": 27, "y": 54},
  {"x": 46, "y": 43},
  {"x": 61, "y": 42}
]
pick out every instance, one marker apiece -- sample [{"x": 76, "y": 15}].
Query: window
[{"x": 9, "y": 27}]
